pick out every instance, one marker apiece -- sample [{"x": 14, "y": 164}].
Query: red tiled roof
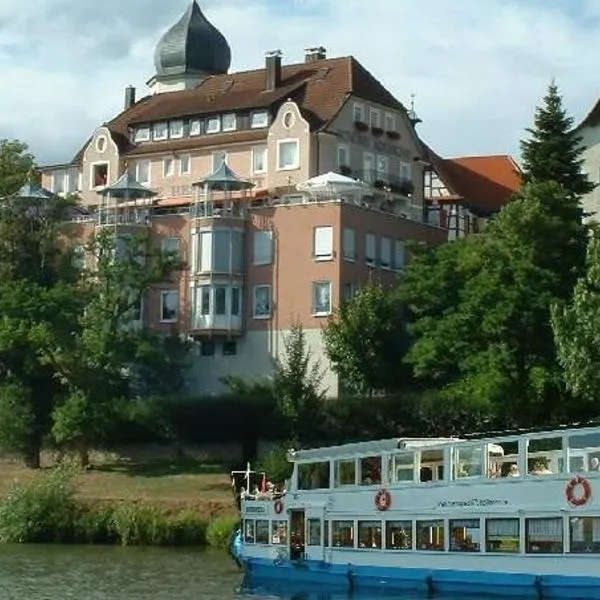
[{"x": 484, "y": 183}]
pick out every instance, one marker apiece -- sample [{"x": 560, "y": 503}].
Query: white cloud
[{"x": 478, "y": 69}]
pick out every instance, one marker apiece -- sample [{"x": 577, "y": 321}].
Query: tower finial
[{"x": 412, "y": 113}]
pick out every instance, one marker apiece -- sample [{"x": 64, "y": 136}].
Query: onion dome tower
[{"x": 189, "y": 52}]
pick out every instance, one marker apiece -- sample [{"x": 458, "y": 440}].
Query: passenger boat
[{"x": 513, "y": 515}]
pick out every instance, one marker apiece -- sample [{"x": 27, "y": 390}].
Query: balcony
[
  {"x": 216, "y": 325},
  {"x": 386, "y": 182},
  {"x": 138, "y": 217},
  {"x": 216, "y": 209}
]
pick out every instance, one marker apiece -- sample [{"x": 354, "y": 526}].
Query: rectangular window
[
  {"x": 235, "y": 302},
  {"x": 262, "y": 301},
  {"x": 218, "y": 158},
  {"x": 169, "y": 305},
  {"x": 142, "y": 134},
  {"x": 398, "y": 535},
  {"x": 73, "y": 181},
  {"x": 543, "y": 455},
  {"x": 544, "y": 536},
  {"x": 229, "y": 122},
  {"x": 160, "y": 131},
  {"x": 221, "y": 251},
  {"x": 386, "y": 252},
  {"x": 262, "y": 531},
  {"x": 259, "y": 119},
  {"x": 430, "y": 535},
  {"x": 207, "y": 348},
  {"x": 390, "y": 122},
  {"x": 374, "y": 118},
  {"x": 205, "y": 300},
  {"x": 369, "y": 534},
  {"x": 213, "y": 124},
  {"x": 185, "y": 164},
  {"x": 399, "y": 254},
  {"x": 249, "y": 531},
  {"x": 100, "y": 175},
  {"x": 313, "y": 528},
  {"x": 342, "y": 534},
  {"x": 584, "y": 535},
  {"x": 323, "y": 242},
  {"x": 206, "y": 251},
  {"x": 403, "y": 467},
  {"x": 370, "y": 249},
  {"x": 383, "y": 168},
  {"x": 368, "y": 167},
  {"x": 58, "y": 182},
  {"x": 176, "y": 129},
  {"x": 465, "y": 535},
  {"x": 288, "y": 155},
  {"x": 370, "y": 470},
  {"x": 262, "y": 247},
  {"x": 220, "y": 300},
  {"x": 259, "y": 159},
  {"x": 170, "y": 245},
  {"x": 343, "y": 157},
  {"x": 468, "y": 462},
  {"x": 348, "y": 291},
  {"x": 349, "y": 243},
  {"x": 279, "y": 532},
  {"x": 322, "y": 298},
  {"x": 405, "y": 170},
  {"x": 359, "y": 113},
  {"x": 229, "y": 348},
  {"x": 168, "y": 167},
  {"x": 345, "y": 472},
  {"x": 502, "y": 535},
  {"x": 195, "y": 127},
  {"x": 313, "y": 476},
  {"x": 142, "y": 171}
]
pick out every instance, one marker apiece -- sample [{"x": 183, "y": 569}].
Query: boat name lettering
[
  {"x": 472, "y": 502},
  {"x": 255, "y": 509}
]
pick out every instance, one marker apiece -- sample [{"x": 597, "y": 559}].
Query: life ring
[
  {"x": 278, "y": 507},
  {"x": 383, "y": 499},
  {"x": 583, "y": 496}
]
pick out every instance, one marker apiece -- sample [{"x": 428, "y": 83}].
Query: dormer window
[
  {"x": 160, "y": 131},
  {"x": 176, "y": 129},
  {"x": 259, "y": 119},
  {"x": 229, "y": 122},
  {"x": 142, "y": 134},
  {"x": 213, "y": 125},
  {"x": 195, "y": 127}
]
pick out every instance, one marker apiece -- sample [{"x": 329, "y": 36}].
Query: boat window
[
  {"x": 430, "y": 535},
  {"x": 543, "y": 456},
  {"x": 369, "y": 534},
  {"x": 342, "y": 534},
  {"x": 584, "y": 452},
  {"x": 249, "y": 531},
  {"x": 428, "y": 467},
  {"x": 403, "y": 467},
  {"x": 262, "y": 531},
  {"x": 314, "y": 532},
  {"x": 313, "y": 476},
  {"x": 468, "y": 461},
  {"x": 584, "y": 535},
  {"x": 465, "y": 535},
  {"x": 370, "y": 470},
  {"x": 345, "y": 472},
  {"x": 326, "y": 533},
  {"x": 398, "y": 535},
  {"x": 544, "y": 536},
  {"x": 503, "y": 459},
  {"x": 502, "y": 535},
  {"x": 279, "y": 532}
]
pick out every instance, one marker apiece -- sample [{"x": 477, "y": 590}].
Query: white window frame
[
  {"x": 214, "y": 119},
  {"x": 195, "y": 127},
  {"x": 296, "y": 165},
  {"x": 263, "y": 149},
  {"x": 259, "y": 119},
  {"x": 158, "y": 137},
  {"x": 399, "y": 251},
  {"x": 320, "y": 313},
  {"x": 343, "y": 149},
  {"x": 349, "y": 249},
  {"x": 220, "y": 153},
  {"x": 384, "y": 162},
  {"x": 62, "y": 176},
  {"x": 385, "y": 253},
  {"x": 164, "y": 242},
  {"x": 137, "y": 171},
  {"x": 371, "y": 260},
  {"x": 97, "y": 164},
  {"x": 164, "y": 293},
  {"x": 323, "y": 243},
  {"x": 231, "y": 127},
  {"x": 175, "y": 135},
  {"x": 390, "y": 122},
  {"x": 140, "y": 136},
  {"x": 358, "y": 108},
  {"x": 368, "y": 173},
  {"x": 405, "y": 170},
  {"x": 255, "y": 289},
  {"x": 168, "y": 160},
  {"x": 189, "y": 164},
  {"x": 265, "y": 234},
  {"x": 374, "y": 117}
]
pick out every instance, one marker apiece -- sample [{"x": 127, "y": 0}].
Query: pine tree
[{"x": 553, "y": 151}]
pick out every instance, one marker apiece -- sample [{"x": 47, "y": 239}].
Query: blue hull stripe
[{"x": 430, "y": 581}]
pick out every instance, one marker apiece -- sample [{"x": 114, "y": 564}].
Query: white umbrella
[{"x": 332, "y": 181}]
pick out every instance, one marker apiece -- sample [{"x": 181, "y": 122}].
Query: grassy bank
[{"x": 150, "y": 503}]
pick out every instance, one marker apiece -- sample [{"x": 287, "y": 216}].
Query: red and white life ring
[
  {"x": 578, "y": 491},
  {"x": 383, "y": 499},
  {"x": 278, "y": 507}
]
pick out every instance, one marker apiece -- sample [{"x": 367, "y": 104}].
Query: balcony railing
[
  {"x": 123, "y": 216},
  {"x": 210, "y": 323},
  {"x": 386, "y": 182},
  {"x": 200, "y": 210}
]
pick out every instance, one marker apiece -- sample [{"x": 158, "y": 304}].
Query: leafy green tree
[
  {"x": 298, "y": 384},
  {"x": 16, "y": 164},
  {"x": 365, "y": 341}
]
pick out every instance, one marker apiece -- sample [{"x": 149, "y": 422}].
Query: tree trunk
[
  {"x": 32, "y": 455},
  {"x": 83, "y": 452}
]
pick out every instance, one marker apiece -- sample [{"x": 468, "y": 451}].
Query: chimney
[
  {"x": 315, "y": 54},
  {"x": 273, "y": 70},
  {"x": 129, "y": 96}
]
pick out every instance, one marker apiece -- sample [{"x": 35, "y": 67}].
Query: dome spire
[{"x": 190, "y": 50}]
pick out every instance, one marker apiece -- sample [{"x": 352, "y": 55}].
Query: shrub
[
  {"x": 276, "y": 465},
  {"x": 95, "y": 526},
  {"x": 219, "y": 532}
]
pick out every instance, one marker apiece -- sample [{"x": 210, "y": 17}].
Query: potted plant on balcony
[
  {"x": 345, "y": 170},
  {"x": 377, "y": 131},
  {"x": 406, "y": 187},
  {"x": 392, "y": 135},
  {"x": 360, "y": 126}
]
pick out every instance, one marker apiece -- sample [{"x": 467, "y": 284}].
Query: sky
[{"x": 477, "y": 68}]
